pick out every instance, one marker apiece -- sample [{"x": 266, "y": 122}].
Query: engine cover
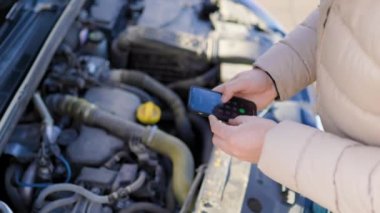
[{"x": 95, "y": 146}]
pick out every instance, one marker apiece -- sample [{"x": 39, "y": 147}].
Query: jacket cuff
[
  {"x": 281, "y": 152},
  {"x": 277, "y": 98}
]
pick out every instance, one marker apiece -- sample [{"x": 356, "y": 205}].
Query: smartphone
[{"x": 206, "y": 102}]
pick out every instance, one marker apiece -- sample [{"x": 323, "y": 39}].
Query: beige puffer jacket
[{"x": 339, "y": 47}]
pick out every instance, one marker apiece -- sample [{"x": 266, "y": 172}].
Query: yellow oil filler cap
[{"x": 148, "y": 113}]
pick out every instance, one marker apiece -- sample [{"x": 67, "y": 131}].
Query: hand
[
  {"x": 254, "y": 85},
  {"x": 243, "y": 138}
]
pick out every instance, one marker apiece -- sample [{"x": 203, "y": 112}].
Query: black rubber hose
[
  {"x": 203, "y": 127},
  {"x": 186, "y": 207},
  {"x": 144, "y": 96},
  {"x": 201, "y": 80},
  {"x": 119, "y": 57},
  {"x": 144, "y": 207},
  {"x": 169, "y": 198},
  {"x": 12, "y": 192},
  {"x": 153, "y": 86}
]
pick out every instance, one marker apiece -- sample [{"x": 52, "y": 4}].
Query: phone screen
[{"x": 203, "y": 101}]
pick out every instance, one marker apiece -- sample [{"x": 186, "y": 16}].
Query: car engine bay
[{"x": 107, "y": 129}]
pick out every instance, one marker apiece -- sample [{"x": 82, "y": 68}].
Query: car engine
[{"x": 107, "y": 129}]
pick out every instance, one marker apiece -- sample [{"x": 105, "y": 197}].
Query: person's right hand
[{"x": 254, "y": 85}]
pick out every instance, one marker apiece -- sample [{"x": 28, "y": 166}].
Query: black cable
[
  {"x": 202, "y": 126},
  {"x": 144, "y": 96},
  {"x": 193, "y": 189},
  {"x": 201, "y": 80},
  {"x": 169, "y": 198}
]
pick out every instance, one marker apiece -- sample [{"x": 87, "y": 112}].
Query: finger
[
  {"x": 219, "y": 88},
  {"x": 222, "y": 88},
  {"x": 240, "y": 120},
  {"x": 230, "y": 90},
  {"x": 221, "y": 129},
  {"x": 221, "y": 144}
]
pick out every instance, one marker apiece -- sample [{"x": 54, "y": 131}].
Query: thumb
[
  {"x": 240, "y": 120},
  {"x": 219, "y": 88},
  {"x": 230, "y": 89},
  {"x": 226, "y": 94},
  {"x": 220, "y": 129}
]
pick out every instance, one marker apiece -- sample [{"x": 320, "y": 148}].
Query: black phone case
[{"x": 229, "y": 110}]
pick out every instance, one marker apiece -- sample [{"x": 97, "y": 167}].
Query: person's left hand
[{"x": 243, "y": 137}]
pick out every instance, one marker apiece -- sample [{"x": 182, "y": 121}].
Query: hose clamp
[{"x": 152, "y": 132}]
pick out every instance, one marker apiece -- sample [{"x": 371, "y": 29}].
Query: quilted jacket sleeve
[
  {"x": 340, "y": 174},
  {"x": 291, "y": 62}
]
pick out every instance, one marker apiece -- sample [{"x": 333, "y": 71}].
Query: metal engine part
[
  {"x": 109, "y": 15},
  {"x": 99, "y": 178},
  {"x": 168, "y": 40},
  {"x": 166, "y": 55},
  {"x": 94, "y": 146},
  {"x": 171, "y": 42},
  {"x": 180, "y": 16},
  {"x": 24, "y": 142},
  {"x": 126, "y": 175}
]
